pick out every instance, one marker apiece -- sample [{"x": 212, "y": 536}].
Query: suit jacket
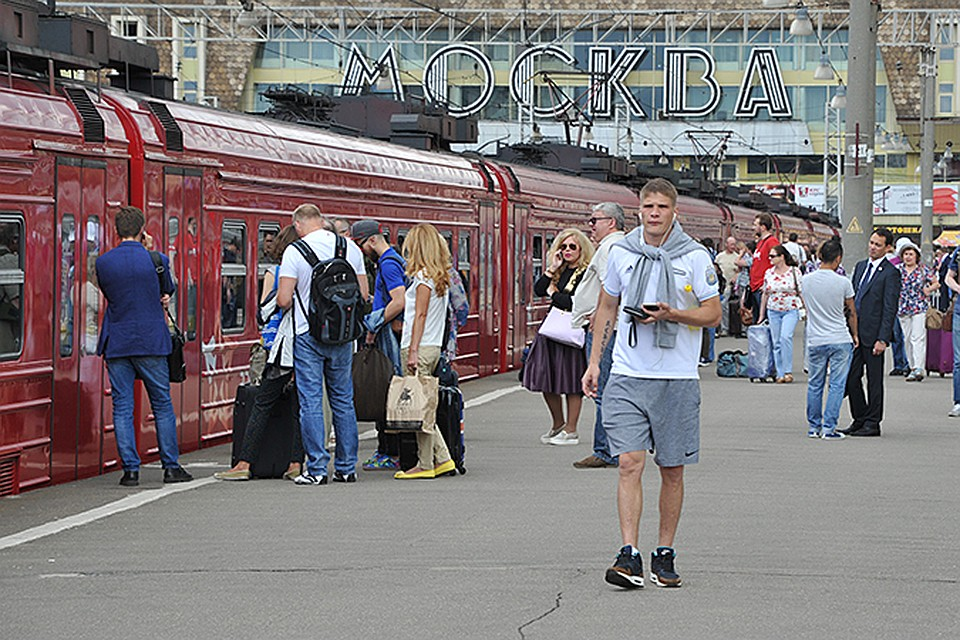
[
  {"x": 877, "y": 304},
  {"x": 135, "y": 323}
]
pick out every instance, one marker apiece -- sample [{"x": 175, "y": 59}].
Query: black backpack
[{"x": 335, "y": 313}]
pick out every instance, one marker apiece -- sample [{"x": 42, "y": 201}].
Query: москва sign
[{"x": 607, "y": 76}]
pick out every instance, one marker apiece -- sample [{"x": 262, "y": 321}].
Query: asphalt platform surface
[{"x": 781, "y": 537}]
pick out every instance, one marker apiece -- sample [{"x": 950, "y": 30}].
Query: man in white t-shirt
[
  {"x": 319, "y": 365},
  {"x": 660, "y": 289},
  {"x": 794, "y": 249},
  {"x": 829, "y": 341}
]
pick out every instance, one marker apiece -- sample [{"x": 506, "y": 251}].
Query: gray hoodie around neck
[{"x": 677, "y": 244}]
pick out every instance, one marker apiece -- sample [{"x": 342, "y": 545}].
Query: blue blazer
[
  {"x": 135, "y": 323},
  {"x": 877, "y": 303}
]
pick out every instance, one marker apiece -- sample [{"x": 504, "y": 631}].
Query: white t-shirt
[
  {"x": 696, "y": 281},
  {"x": 825, "y": 293},
  {"x": 436, "y": 314},
  {"x": 294, "y": 265}
]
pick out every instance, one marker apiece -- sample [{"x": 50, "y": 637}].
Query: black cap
[{"x": 363, "y": 229}]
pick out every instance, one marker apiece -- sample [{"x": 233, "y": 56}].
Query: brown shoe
[{"x": 591, "y": 462}]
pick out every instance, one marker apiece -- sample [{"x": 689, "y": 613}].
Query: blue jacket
[{"x": 135, "y": 323}]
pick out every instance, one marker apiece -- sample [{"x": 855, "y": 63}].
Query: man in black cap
[{"x": 385, "y": 321}]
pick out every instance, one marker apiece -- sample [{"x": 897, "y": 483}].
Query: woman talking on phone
[{"x": 552, "y": 368}]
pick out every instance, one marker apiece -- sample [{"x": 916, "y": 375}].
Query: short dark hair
[
  {"x": 129, "y": 222},
  {"x": 662, "y": 186},
  {"x": 793, "y": 237},
  {"x": 831, "y": 250},
  {"x": 884, "y": 233},
  {"x": 765, "y": 220}
]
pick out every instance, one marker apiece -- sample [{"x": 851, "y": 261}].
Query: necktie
[{"x": 863, "y": 285}]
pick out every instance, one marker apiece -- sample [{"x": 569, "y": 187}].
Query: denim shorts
[{"x": 662, "y": 416}]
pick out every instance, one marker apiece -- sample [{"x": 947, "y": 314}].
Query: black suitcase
[
  {"x": 276, "y": 446},
  {"x": 450, "y": 423}
]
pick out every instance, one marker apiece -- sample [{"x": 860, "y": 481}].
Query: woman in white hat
[{"x": 917, "y": 282}]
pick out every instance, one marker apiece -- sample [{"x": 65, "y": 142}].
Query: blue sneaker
[
  {"x": 662, "y": 572},
  {"x": 833, "y": 435},
  {"x": 813, "y": 433},
  {"x": 627, "y": 570},
  {"x": 380, "y": 462}
]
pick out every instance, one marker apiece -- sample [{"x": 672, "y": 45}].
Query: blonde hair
[
  {"x": 425, "y": 250},
  {"x": 586, "y": 249},
  {"x": 307, "y": 211}
]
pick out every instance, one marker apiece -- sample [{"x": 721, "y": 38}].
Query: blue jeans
[
  {"x": 317, "y": 365},
  {"x": 155, "y": 374},
  {"x": 601, "y": 448},
  {"x": 836, "y": 358},
  {"x": 899, "y": 349},
  {"x": 782, "y": 326}
]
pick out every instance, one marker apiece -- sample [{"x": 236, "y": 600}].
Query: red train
[{"x": 215, "y": 186}]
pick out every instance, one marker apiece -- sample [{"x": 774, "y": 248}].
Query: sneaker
[
  {"x": 662, "y": 572},
  {"x": 833, "y": 435},
  {"x": 307, "y": 479},
  {"x": 340, "y": 477},
  {"x": 627, "y": 570},
  {"x": 545, "y": 438},
  {"x": 564, "y": 438},
  {"x": 592, "y": 462},
  {"x": 955, "y": 412},
  {"x": 813, "y": 433},
  {"x": 380, "y": 462}
]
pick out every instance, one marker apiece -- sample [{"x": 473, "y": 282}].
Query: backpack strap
[
  {"x": 340, "y": 248},
  {"x": 312, "y": 260}
]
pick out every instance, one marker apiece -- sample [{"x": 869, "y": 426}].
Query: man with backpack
[
  {"x": 383, "y": 326},
  {"x": 323, "y": 277}
]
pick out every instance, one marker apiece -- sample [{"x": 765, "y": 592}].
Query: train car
[{"x": 216, "y": 187}]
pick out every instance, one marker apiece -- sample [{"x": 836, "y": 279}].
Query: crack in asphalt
[{"x": 540, "y": 617}]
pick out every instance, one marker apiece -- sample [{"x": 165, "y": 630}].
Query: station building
[{"x": 737, "y": 87}]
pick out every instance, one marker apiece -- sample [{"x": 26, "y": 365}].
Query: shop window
[
  {"x": 11, "y": 286},
  {"x": 233, "y": 276}
]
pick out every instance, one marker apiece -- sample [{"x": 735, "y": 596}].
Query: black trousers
[{"x": 867, "y": 410}]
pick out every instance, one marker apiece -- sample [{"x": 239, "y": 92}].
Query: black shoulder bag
[{"x": 175, "y": 361}]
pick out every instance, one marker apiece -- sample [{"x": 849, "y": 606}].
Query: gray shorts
[{"x": 642, "y": 414}]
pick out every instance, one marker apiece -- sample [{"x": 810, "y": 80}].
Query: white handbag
[{"x": 557, "y": 326}]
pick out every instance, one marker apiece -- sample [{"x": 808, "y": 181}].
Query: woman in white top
[
  {"x": 781, "y": 304},
  {"x": 425, "y": 315}
]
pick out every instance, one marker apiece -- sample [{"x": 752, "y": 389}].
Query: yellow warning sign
[{"x": 854, "y": 226}]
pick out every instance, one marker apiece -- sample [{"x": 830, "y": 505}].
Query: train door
[
  {"x": 182, "y": 197},
  {"x": 488, "y": 304},
  {"x": 78, "y": 372},
  {"x": 518, "y": 301}
]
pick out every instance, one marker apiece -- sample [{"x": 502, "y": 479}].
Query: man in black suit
[{"x": 876, "y": 285}]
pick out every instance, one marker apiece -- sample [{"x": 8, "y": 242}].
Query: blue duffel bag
[{"x": 732, "y": 364}]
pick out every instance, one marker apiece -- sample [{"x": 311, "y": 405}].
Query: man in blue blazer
[
  {"x": 876, "y": 285},
  {"x": 135, "y": 342}
]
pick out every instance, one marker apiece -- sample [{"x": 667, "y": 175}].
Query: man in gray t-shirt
[{"x": 830, "y": 340}]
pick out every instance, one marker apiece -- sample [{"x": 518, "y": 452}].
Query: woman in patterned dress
[
  {"x": 917, "y": 282},
  {"x": 781, "y": 304}
]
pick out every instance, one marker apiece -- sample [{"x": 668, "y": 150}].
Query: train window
[
  {"x": 537, "y": 256},
  {"x": 173, "y": 230},
  {"x": 11, "y": 286},
  {"x": 401, "y": 236},
  {"x": 448, "y": 236},
  {"x": 463, "y": 260},
  {"x": 266, "y": 234},
  {"x": 68, "y": 236},
  {"x": 91, "y": 293},
  {"x": 233, "y": 281}
]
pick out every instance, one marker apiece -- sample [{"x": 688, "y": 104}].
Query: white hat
[{"x": 906, "y": 243}]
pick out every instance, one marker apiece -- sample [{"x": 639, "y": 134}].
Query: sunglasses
[
  {"x": 773, "y": 255},
  {"x": 596, "y": 219},
  {"x": 571, "y": 247}
]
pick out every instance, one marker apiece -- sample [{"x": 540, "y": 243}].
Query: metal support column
[
  {"x": 928, "y": 72},
  {"x": 861, "y": 121}
]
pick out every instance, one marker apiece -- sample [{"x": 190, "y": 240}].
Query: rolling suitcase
[
  {"x": 276, "y": 446},
  {"x": 450, "y": 423},
  {"x": 939, "y": 352},
  {"x": 759, "y": 353}
]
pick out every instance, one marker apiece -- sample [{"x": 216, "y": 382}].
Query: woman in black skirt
[{"x": 552, "y": 368}]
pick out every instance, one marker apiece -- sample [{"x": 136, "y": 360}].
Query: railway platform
[{"x": 781, "y": 537}]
